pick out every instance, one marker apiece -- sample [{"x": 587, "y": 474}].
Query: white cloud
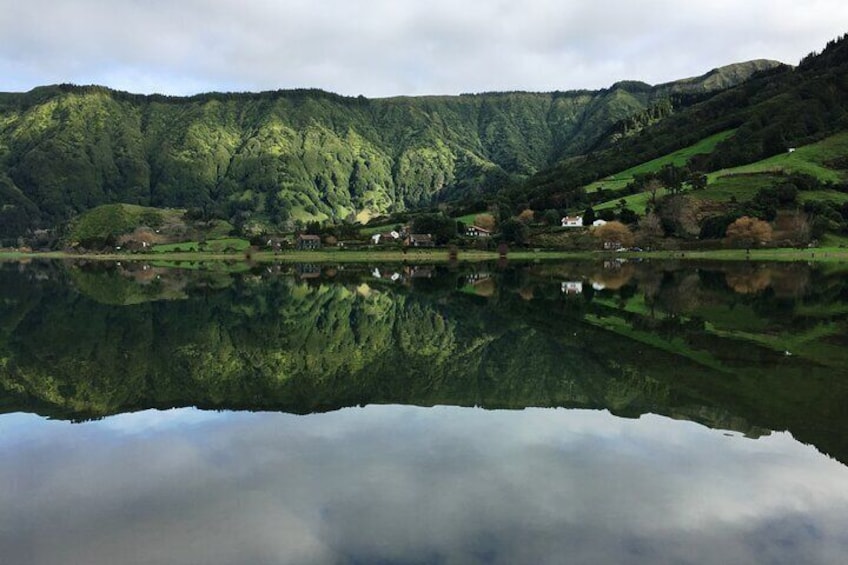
[
  {"x": 387, "y": 483},
  {"x": 385, "y": 47}
]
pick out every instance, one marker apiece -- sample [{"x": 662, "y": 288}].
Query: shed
[{"x": 308, "y": 241}]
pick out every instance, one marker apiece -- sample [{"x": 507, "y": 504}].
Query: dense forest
[{"x": 303, "y": 155}]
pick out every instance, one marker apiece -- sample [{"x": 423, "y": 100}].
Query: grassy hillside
[
  {"x": 773, "y": 111},
  {"x": 678, "y": 158},
  {"x": 826, "y": 160},
  {"x": 110, "y": 221},
  {"x": 119, "y": 224}
]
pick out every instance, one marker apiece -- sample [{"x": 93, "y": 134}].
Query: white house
[
  {"x": 477, "y": 231},
  {"x": 572, "y": 222},
  {"x": 384, "y": 237},
  {"x": 598, "y": 223}
]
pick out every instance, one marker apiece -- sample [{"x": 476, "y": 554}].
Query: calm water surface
[{"x": 585, "y": 413}]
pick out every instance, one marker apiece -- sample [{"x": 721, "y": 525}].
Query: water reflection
[
  {"x": 410, "y": 485},
  {"x": 754, "y": 348},
  {"x": 693, "y": 360}
]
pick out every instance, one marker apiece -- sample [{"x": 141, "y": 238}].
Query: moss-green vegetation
[
  {"x": 833, "y": 240},
  {"x": 104, "y": 224},
  {"x": 811, "y": 344},
  {"x": 214, "y": 264},
  {"x": 302, "y": 155},
  {"x": 380, "y": 227},
  {"x": 832, "y": 196},
  {"x": 267, "y": 163}
]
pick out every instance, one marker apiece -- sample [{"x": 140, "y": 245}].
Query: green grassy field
[
  {"x": 213, "y": 265},
  {"x": 811, "y": 344},
  {"x": 741, "y": 187},
  {"x": 817, "y": 159},
  {"x": 114, "y": 220},
  {"x": 381, "y": 228},
  {"x": 468, "y": 219},
  {"x": 724, "y": 189},
  {"x": 817, "y": 254},
  {"x": 834, "y": 240},
  {"x": 820, "y": 195},
  {"x": 678, "y": 158},
  {"x": 636, "y": 202}
]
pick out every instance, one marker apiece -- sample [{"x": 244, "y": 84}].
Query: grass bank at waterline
[{"x": 821, "y": 254}]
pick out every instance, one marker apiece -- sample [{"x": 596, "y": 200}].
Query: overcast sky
[{"x": 390, "y": 47}]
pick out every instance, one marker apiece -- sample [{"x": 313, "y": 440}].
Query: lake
[{"x": 583, "y": 412}]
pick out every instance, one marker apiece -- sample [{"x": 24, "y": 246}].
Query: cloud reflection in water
[{"x": 405, "y": 484}]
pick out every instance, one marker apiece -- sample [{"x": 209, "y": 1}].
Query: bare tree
[
  {"x": 614, "y": 233},
  {"x": 652, "y": 187},
  {"x": 485, "y": 221},
  {"x": 650, "y": 229},
  {"x": 749, "y": 231},
  {"x": 526, "y": 216}
]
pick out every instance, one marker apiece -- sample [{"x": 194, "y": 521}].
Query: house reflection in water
[
  {"x": 572, "y": 287},
  {"x": 308, "y": 270}
]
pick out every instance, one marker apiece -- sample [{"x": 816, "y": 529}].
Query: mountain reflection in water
[{"x": 753, "y": 348}]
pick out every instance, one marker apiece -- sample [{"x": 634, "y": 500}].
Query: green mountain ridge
[
  {"x": 722, "y": 77},
  {"x": 301, "y": 154}
]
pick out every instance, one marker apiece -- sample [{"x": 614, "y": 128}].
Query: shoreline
[{"x": 832, "y": 254}]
